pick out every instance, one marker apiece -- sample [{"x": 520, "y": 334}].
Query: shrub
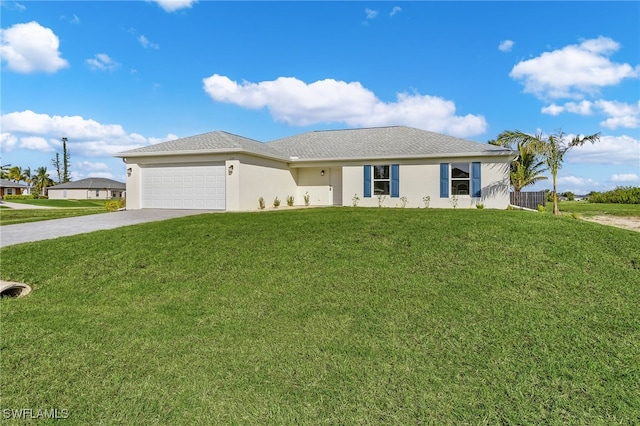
[
  {"x": 480, "y": 206},
  {"x": 307, "y": 199},
  {"x": 19, "y": 197},
  {"x": 355, "y": 200},
  {"x": 404, "y": 201},
  {"x": 261, "y": 204},
  {"x": 454, "y": 201},
  {"x": 426, "y": 200},
  {"x": 276, "y": 202},
  {"x": 541, "y": 208},
  {"x": 620, "y": 195},
  {"x": 381, "y": 199},
  {"x": 114, "y": 205},
  {"x": 290, "y": 200}
]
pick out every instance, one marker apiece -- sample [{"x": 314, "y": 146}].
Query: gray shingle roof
[
  {"x": 212, "y": 142},
  {"x": 380, "y": 142},
  {"x": 91, "y": 183},
  {"x": 6, "y": 183},
  {"x": 350, "y": 144}
]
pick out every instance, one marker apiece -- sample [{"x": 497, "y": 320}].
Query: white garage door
[{"x": 195, "y": 187}]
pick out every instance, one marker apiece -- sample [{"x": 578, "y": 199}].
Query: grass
[
  {"x": 61, "y": 203},
  {"x": 329, "y": 316},
  {"x": 59, "y": 209},
  {"x": 15, "y": 216},
  {"x": 586, "y": 208}
]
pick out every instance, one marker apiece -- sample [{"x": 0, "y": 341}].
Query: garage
[{"x": 182, "y": 187}]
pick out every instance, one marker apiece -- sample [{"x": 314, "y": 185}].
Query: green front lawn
[
  {"x": 329, "y": 316},
  {"x": 586, "y": 208},
  {"x": 61, "y": 203},
  {"x": 14, "y": 216}
]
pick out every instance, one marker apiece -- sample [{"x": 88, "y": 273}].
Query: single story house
[
  {"x": 87, "y": 189},
  {"x": 390, "y": 166},
  {"x": 8, "y": 187}
]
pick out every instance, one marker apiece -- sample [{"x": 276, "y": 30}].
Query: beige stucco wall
[
  {"x": 79, "y": 194},
  {"x": 324, "y": 189},
  {"x": 255, "y": 177},
  {"x": 264, "y": 178},
  {"x": 418, "y": 180},
  {"x": 252, "y": 178}
]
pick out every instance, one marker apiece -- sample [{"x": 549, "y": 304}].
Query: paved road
[{"x": 49, "y": 229}]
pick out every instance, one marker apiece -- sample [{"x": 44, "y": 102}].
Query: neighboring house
[
  {"x": 86, "y": 189},
  {"x": 222, "y": 171},
  {"x": 8, "y": 187}
]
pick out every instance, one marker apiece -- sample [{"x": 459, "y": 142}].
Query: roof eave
[
  {"x": 126, "y": 154},
  {"x": 405, "y": 157}
]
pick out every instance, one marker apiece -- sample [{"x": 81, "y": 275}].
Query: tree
[
  {"x": 42, "y": 181},
  {"x": 55, "y": 161},
  {"x": 4, "y": 170},
  {"x": 15, "y": 174},
  {"x": 552, "y": 148},
  {"x": 65, "y": 161},
  {"x": 527, "y": 168}
]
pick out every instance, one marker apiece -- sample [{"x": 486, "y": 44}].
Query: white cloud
[
  {"x": 102, "y": 62},
  {"x": 173, "y": 5},
  {"x": 553, "y": 109},
  {"x": 609, "y": 150},
  {"x": 85, "y": 137},
  {"x": 12, "y": 5},
  {"x": 627, "y": 177},
  {"x": 574, "y": 70},
  {"x": 297, "y": 103},
  {"x": 573, "y": 180},
  {"x": 7, "y": 142},
  {"x": 371, "y": 14},
  {"x": 576, "y": 184},
  {"x": 31, "y": 48},
  {"x": 35, "y": 143},
  {"x": 73, "y": 20},
  {"x": 395, "y": 10},
  {"x": 89, "y": 166},
  {"x": 144, "y": 41},
  {"x": 506, "y": 45},
  {"x": 620, "y": 114}
]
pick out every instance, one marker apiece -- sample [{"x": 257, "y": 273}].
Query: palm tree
[
  {"x": 527, "y": 168},
  {"x": 4, "y": 169},
  {"x": 41, "y": 181},
  {"x": 552, "y": 148},
  {"x": 15, "y": 174},
  {"x": 28, "y": 179}
]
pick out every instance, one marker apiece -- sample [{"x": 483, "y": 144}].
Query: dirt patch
[{"x": 632, "y": 223}]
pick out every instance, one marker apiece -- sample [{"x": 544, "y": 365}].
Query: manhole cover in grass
[{"x": 12, "y": 289}]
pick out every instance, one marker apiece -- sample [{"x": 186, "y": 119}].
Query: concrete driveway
[{"x": 49, "y": 229}]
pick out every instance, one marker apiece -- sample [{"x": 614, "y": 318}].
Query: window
[
  {"x": 382, "y": 180},
  {"x": 465, "y": 179},
  {"x": 460, "y": 178},
  {"x": 9, "y": 191}
]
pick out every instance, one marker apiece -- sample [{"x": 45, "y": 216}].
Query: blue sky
[{"x": 112, "y": 76}]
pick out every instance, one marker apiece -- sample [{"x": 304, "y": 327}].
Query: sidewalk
[{"x": 49, "y": 229}]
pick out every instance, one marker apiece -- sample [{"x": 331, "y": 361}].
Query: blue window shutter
[
  {"x": 475, "y": 180},
  {"x": 395, "y": 180},
  {"x": 444, "y": 180},
  {"x": 367, "y": 181}
]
